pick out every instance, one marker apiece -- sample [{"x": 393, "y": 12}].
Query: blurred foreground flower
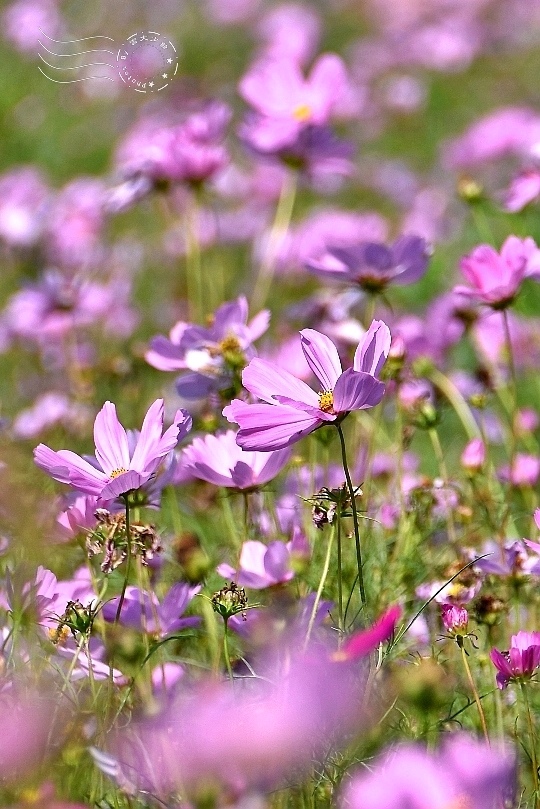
[
  {"x": 114, "y": 470},
  {"x": 463, "y": 773}
]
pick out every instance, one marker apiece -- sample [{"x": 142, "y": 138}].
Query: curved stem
[
  {"x": 128, "y": 566},
  {"x": 320, "y": 588},
  {"x": 513, "y": 387},
  {"x": 354, "y": 514},
  {"x": 475, "y": 693},
  {"x": 278, "y": 232},
  {"x": 341, "y": 624}
]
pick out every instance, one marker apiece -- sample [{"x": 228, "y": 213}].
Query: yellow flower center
[
  {"x": 326, "y": 401},
  {"x": 230, "y": 344},
  {"x": 302, "y": 112},
  {"x": 117, "y": 472}
]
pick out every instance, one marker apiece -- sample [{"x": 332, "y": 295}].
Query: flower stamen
[
  {"x": 326, "y": 401},
  {"x": 117, "y": 472}
]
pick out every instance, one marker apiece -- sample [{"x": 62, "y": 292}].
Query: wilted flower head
[
  {"x": 290, "y": 409},
  {"x": 464, "y": 772},
  {"x": 519, "y": 663},
  {"x": 115, "y": 470}
]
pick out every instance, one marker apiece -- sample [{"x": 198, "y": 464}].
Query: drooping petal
[
  {"x": 196, "y": 386},
  {"x": 110, "y": 438},
  {"x": 322, "y": 357},
  {"x": 273, "y": 466},
  {"x": 82, "y": 475},
  {"x": 242, "y": 475},
  {"x": 373, "y": 349},
  {"x": 266, "y": 427},
  {"x": 266, "y": 381},
  {"x": 355, "y": 391},
  {"x": 123, "y": 483}
]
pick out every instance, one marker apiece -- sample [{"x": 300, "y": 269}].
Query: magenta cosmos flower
[
  {"x": 495, "y": 278},
  {"x": 520, "y": 661},
  {"x": 115, "y": 470},
  {"x": 290, "y": 409},
  {"x": 218, "y": 459}
]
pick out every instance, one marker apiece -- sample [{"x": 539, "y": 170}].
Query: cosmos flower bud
[
  {"x": 474, "y": 455},
  {"x": 455, "y": 619}
]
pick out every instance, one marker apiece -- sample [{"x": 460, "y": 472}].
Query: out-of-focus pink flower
[
  {"x": 218, "y": 459},
  {"x": 48, "y": 410},
  {"x": 511, "y": 559},
  {"x": 474, "y": 455},
  {"x": 78, "y": 517},
  {"x": 75, "y": 223},
  {"x": 211, "y": 354},
  {"x": 25, "y": 723},
  {"x": 247, "y": 738},
  {"x": 287, "y": 102},
  {"x": 115, "y": 470},
  {"x": 373, "y": 265},
  {"x": 142, "y": 610},
  {"x": 495, "y": 278},
  {"x": 290, "y": 31},
  {"x": 365, "y": 641},
  {"x": 23, "y": 198},
  {"x": 25, "y": 20},
  {"x": 263, "y": 565},
  {"x": 190, "y": 150},
  {"x": 290, "y": 409},
  {"x": 524, "y": 188},
  {"x": 525, "y": 470},
  {"x": 519, "y": 663},
  {"x": 464, "y": 771},
  {"x": 509, "y": 130}
]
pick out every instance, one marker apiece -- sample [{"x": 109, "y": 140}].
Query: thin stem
[
  {"x": 226, "y": 652},
  {"x": 278, "y": 232},
  {"x": 354, "y": 514},
  {"x": 341, "y": 624},
  {"x": 193, "y": 260},
  {"x": 457, "y": 400},
  {"x": 513, "y": 386},
  {"x": 128, "y": 566},
  {"x": 532, "y": 736},
  {"x": 475, "y": 692},
  {"x": 443, "y": 471},
  {"x": 320, "y": 588}
]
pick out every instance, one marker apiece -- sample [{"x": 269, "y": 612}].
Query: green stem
[
  {"x": 532, "y": 736},
  {"x": 193, "y": 260},
  {"x": 341, "y": 624},
  {"x": 354, "y": 514},
  {"x": 128, "y": 566},
  {"x": 320, "y": 588},
  {"x": 457, "y": 400},
  {"x": 475, "y": 692},
  {"x": 226, "y": 652},
  {"x": 278, "y": 232}
]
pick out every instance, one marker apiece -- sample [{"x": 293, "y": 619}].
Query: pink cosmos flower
[
  {"x": 473, "y": 456},
  {"x": 523, "y": 189},
  {"x": 290, "y": 409},
  {"x": 495, "y": 278},
  {"x": 520, "y": 661},
  {"x": 464, "y": 772},
  {"x": 287, "y": 101},
  {"x": 263, "y": 565},
  {"x": 455, "y": 619},
  {"x": 218, "y": 459},
  {"x": 115, "y": 470}
]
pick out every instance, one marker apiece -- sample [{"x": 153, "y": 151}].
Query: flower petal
[
  {"x": 123, "y": 483},
  {"x": 266, "y": 380},
  {"x": 267, "y": 427},
  {"x": 373, "y": 349},
  {"x": 322, "y": 357},
  {"x": 355, "y": 391},
  {"x": 110, "y": 438}
]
